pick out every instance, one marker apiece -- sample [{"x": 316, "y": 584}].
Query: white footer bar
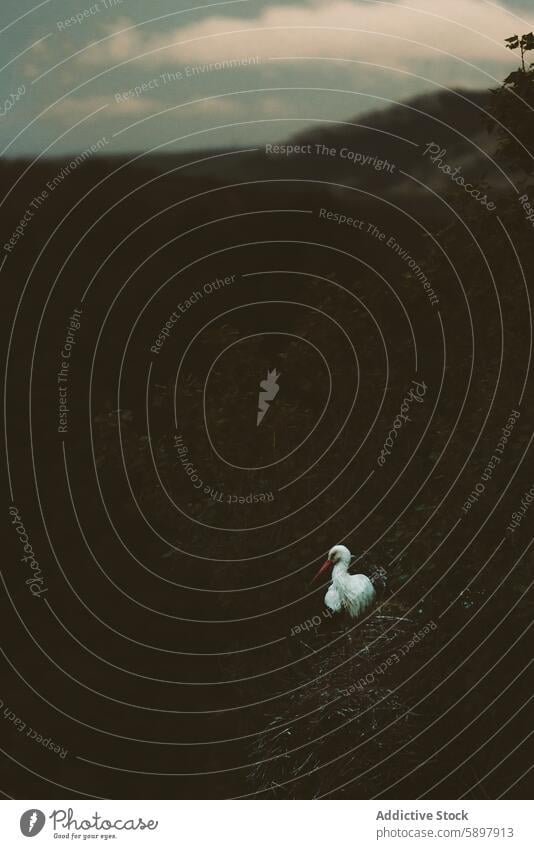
[{"x": 258, "y": 824}]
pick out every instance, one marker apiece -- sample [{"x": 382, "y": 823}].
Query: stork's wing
[{"x": 332, "y": 599}]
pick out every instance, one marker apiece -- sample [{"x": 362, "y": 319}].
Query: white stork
[{"x": 353, "y": 593}]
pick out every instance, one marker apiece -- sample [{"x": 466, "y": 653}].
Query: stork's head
[{"x": 338, "y": 555}]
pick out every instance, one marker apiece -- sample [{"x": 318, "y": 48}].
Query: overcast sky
[{"x": 300, "y": 61}]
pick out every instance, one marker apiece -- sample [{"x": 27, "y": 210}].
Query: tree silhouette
[
  {"x": 524, "y": 43},
  {"x": 513, "y": 107}
]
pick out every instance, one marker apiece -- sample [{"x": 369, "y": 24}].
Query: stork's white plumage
[{"x": 353, "y": 593}]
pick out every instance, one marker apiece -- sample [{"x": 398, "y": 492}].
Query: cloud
[
  {"x": 392, "y": 33},
  {"x": 72, "y": 109},
  {"x": 222, "y": 107}
]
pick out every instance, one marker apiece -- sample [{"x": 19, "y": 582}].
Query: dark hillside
[{"x": 174, "y": 607}]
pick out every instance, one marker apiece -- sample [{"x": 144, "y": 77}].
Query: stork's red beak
[{"x": 326, "y": 565}]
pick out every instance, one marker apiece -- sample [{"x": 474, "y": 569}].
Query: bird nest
[{"x": 339, "y": 731}]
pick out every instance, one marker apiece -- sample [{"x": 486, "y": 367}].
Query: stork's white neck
[{"x": 340, "y": 570}]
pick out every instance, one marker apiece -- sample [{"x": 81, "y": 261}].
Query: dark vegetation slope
[{"x": 441, "y": 721}]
